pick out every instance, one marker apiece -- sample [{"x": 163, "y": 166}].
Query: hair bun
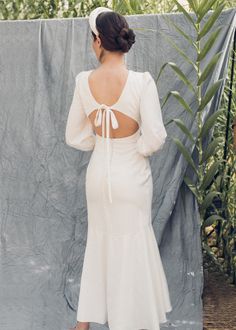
[
  {"x": 124, "y": 33},
  {"x": 114, "y": 32},
  {"x": 126, "y": 38}
]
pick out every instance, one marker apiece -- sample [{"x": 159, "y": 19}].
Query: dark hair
[{"x": 114, "y": 32}]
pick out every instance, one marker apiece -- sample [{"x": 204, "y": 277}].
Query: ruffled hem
[{"x": 123, "y": 281}]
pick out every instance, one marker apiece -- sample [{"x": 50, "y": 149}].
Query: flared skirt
[{"x": 123, "y": 282}]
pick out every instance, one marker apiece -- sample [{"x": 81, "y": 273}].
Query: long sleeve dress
[{"x": 123, "y": 281}]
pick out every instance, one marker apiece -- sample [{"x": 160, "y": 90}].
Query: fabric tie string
[{"x": 101, "y": 117}]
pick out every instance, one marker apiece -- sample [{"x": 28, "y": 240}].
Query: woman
[{"x": 123, "y": 281}]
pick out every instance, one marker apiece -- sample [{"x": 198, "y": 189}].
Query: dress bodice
[
  {"x": 139, "y": 100},
  {"x": 128, "y": 102}
]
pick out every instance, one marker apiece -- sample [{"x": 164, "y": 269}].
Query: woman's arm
[
  {"x": 79, "y": 131},
  {"x": 153, "y": 132}
]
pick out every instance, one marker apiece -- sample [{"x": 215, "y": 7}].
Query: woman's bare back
[{"x": 107, "y": 88}]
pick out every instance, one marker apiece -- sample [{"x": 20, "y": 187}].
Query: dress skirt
[{"x": 123, "y": 280}]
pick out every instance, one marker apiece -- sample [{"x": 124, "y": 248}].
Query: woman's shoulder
[
  {"x": 138, "y": 73},
  {"x": 148, "y": 80},
  {"x": 145, "y": 76},
  {"x": 80, "y": 75}
]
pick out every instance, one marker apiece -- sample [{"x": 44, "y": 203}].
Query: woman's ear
[{"x": 99, "y": 41}]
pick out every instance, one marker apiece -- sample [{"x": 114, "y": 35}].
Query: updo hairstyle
[{"x": 114, "y": 32}]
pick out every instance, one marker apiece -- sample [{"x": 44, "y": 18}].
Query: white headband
[{"x": 93, "y": 15}]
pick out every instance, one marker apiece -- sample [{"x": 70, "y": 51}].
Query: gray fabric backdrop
[{"x": 42, "y": 195}]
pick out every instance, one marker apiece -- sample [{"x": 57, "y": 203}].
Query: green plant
[
  {"x": 206, "y": 169},
  {"x": 30, "y": 9}
]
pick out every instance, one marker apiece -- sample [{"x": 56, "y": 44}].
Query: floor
[{"x": 219, "y": 299}]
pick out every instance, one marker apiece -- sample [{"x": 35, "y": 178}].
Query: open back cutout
[{"x": 127, "y": 125}]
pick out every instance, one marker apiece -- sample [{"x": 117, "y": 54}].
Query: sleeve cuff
[{"x": 148, "y": 149}]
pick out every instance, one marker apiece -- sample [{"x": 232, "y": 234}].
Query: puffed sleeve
[
  {"x": 153, "y": 133},
  {"x": 79, "y": 131}
]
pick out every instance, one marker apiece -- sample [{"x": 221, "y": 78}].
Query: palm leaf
[
  {"x": 210, "y": 174},
  {"x": 210, "y": 22},
  {"x": 180, "y": 51},
  {"x": 191, "y": 185},
  {"x": 208, "y": 199},
  {"x": 208, "y": 44},
  {"x": 180, "y": 100},
  {"x": 193, "y": 5},
  {"x": 188, "y": 38},
  {"x": 211, "y": 149},
  {"x": 182, "y": 126},
  {"x": 179, "y": 72},
  {"x": 186, "y": 14},
  {"x": 209, "y": 94},
  {"x": 185, "y": 153},
  {"x": 210, "y": 122},
  {"x": 209, "y": 68},
  {"x": 203, "y": 9}
]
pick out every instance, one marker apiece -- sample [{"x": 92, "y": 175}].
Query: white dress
[{"x": 123, "y": 280}]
